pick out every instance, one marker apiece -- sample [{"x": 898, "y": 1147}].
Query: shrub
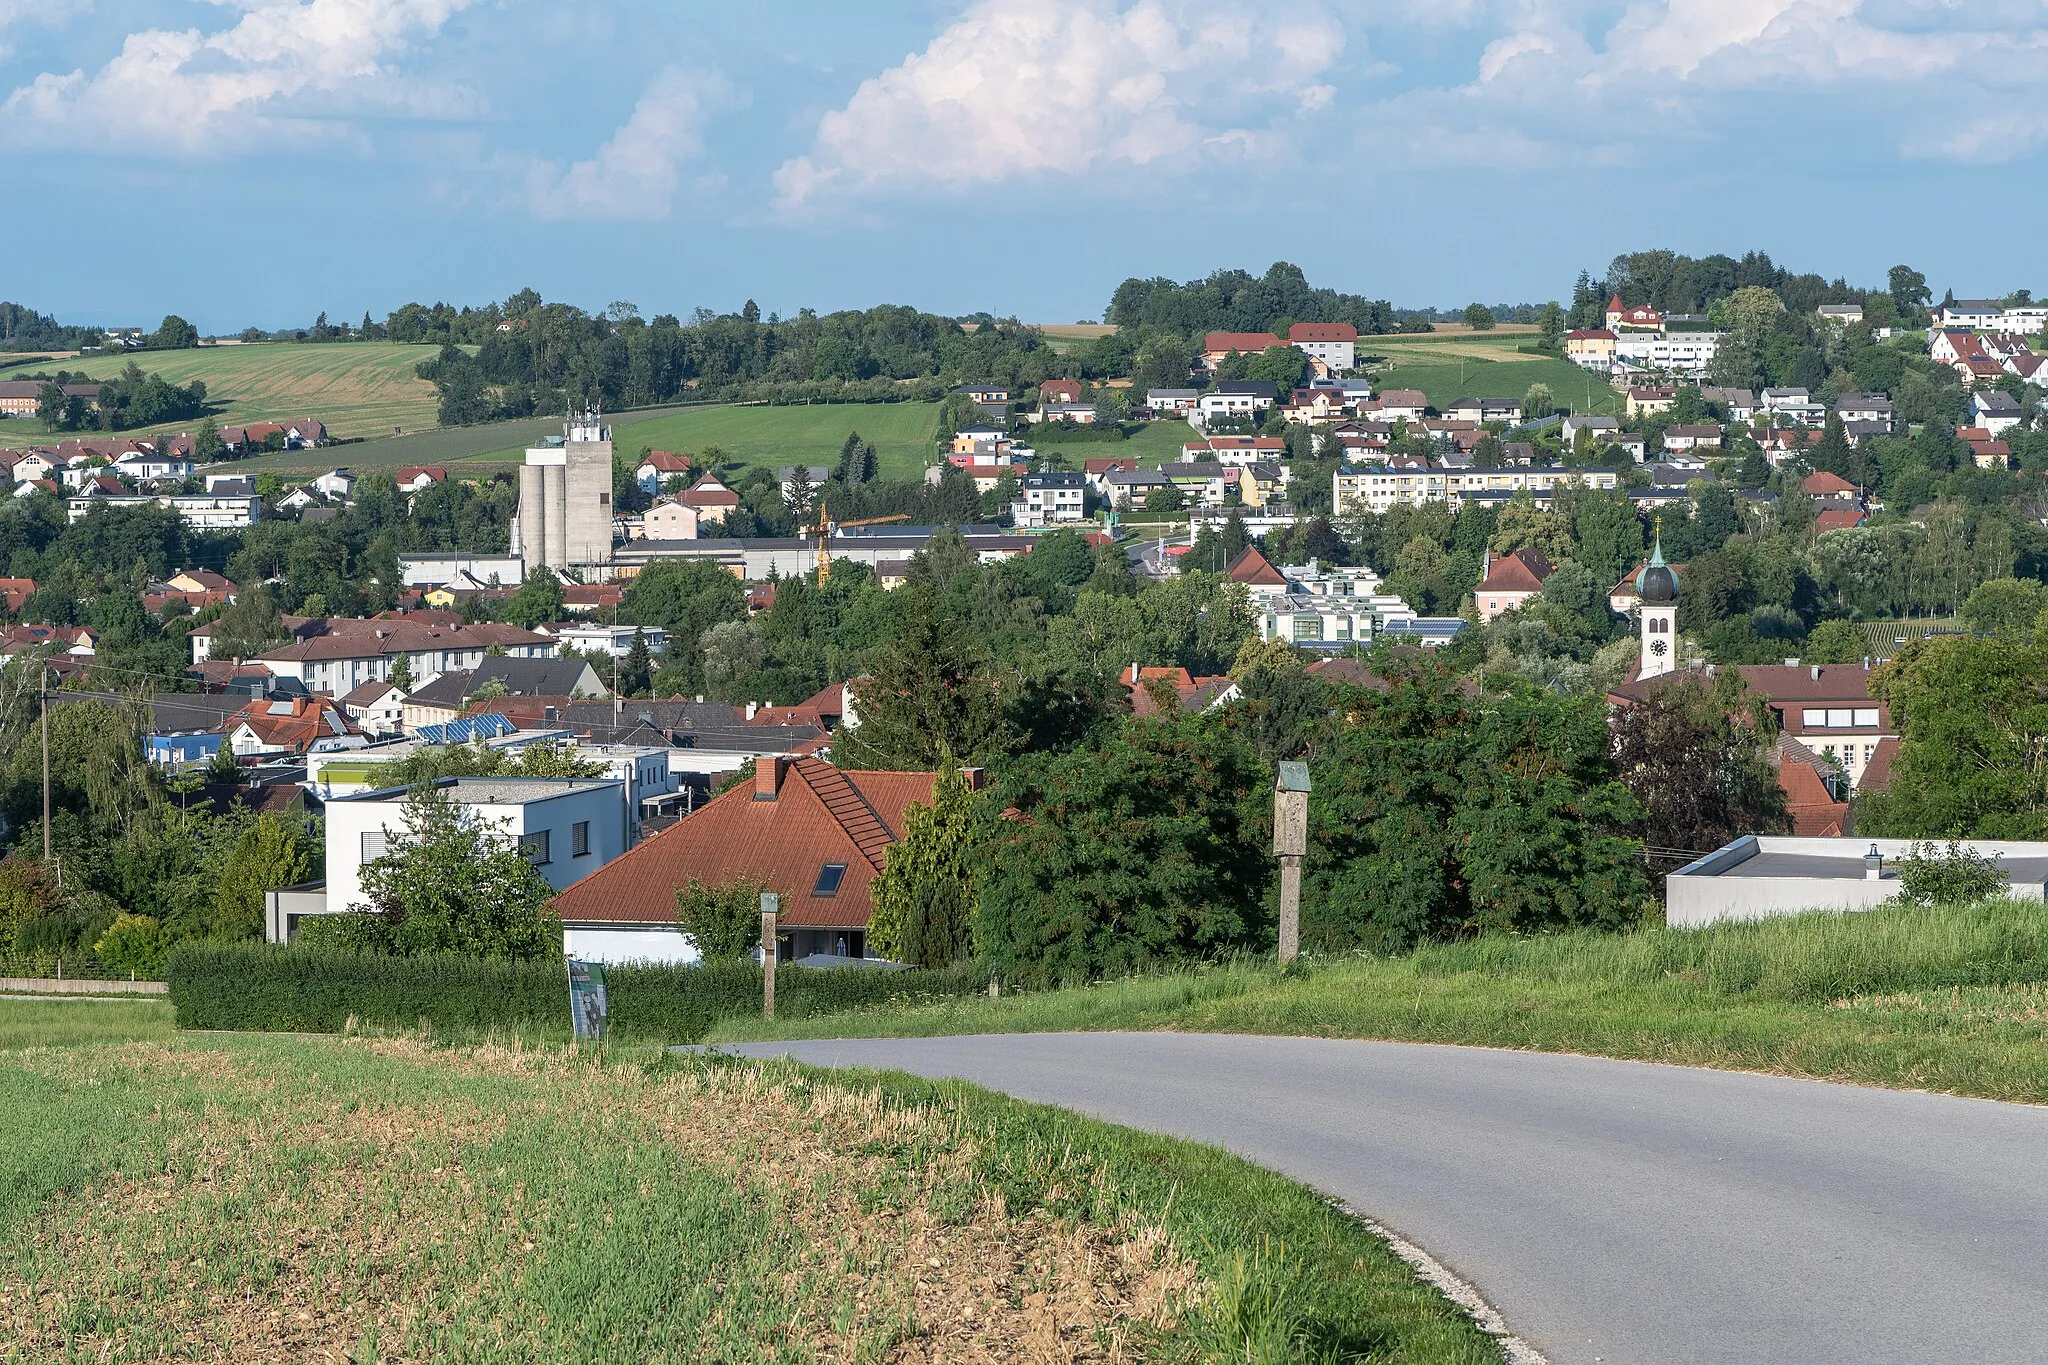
[
  {"x": 723, "y": 921},
  {"x": 132, "y": 943},
  {"x": 1930, "y": 875},
  {"x": 260, "y": 987}
]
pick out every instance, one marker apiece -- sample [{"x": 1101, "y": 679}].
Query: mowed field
[
  {"x": 1448, "y": 367},
  {"x": 240, "y": 1197},
  {"x": 356, "y": 388}
]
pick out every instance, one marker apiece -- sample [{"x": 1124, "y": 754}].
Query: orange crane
[{"x": 826, "y": 527}]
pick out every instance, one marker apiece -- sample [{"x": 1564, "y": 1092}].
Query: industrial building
[{"x": 565, "y": 498}]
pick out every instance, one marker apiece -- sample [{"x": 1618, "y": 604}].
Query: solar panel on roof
[{"x": 467, "y": 729}]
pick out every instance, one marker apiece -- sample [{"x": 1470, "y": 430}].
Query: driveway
[{"x": 1612, "y": 1211}]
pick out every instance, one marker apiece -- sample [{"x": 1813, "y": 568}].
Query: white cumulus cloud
[
  {"x": 635, "y": 174},
  {"x": 286, "y": 69},
  {"x": 1016, "y": 88}
]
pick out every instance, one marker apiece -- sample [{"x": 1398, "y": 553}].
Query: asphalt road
[{"x": 1612, "y": 1211}]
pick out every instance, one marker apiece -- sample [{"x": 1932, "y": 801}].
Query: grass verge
[
  {"x": 271, "y": 1197},
  {"x": 1951, "y": 999}
]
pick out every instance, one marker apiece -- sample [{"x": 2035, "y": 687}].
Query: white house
[
  {"x": 1172, "y": 400},
  {"x": 1995, "y": 410},
  {"x": 671, "y": 520},
  {"x": 1050, "y": 499},
  {"x": 1690, "y": 353},
  {"x": 1765, "y": 876},
  {"x": 566, "y": 827},
  {"x": 1335, "y": 344},
  {"x": 1970, "y": 313},
  {"x": 337, "y": 485},
  {"x": 616, "y": 641}
]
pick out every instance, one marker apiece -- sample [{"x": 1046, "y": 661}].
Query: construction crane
[{"x": 826, "y": 526}]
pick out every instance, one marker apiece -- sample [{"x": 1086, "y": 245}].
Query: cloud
[
  {"x": 1016, "y": 88},
  {"x": 287, "y": 70},
  {"x": 634, "y": 175}
]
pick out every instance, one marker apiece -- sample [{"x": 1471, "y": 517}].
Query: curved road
[{"x": 1612, "y": 1211}]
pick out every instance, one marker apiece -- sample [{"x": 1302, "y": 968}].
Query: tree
[
  {"x": 1972, "y": 718},
  {"x": 924, "y": 700},
  {"x": 208, "y": 446},
  {"x": 272, "y": 852},
  {"x": 924, "y": 897},
  {"x": 1479, "y": 317},
  {"x": 173, "y": 334},
  {"x": 1148, "y": 851},
  {"x": 1286, "y": 366},
  {"x": 2006, "y": 606},
  {"x": 400, "y": 676},
  {"x": 800, "y": 495},
  {"x": 723, "y": 921},
  {"x": 538, "y": 601},
  {"x": 1695, "y": 755},
  {"x": 451, "y": 882},
  {"x": 638, "y": 669},
  {"x": 1167, "y": 499},
  {"x": 1909, "y": 290},
  {"x": 733, "y": 653},
  {"x": 1835, "y": 642},
  {"x": 1538, "y": 403},
  {"x": 857, "y": 460},
  {"x": 1550, "y": 322}
]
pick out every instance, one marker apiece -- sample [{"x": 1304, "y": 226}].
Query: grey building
[{"x": 565, "y": 498}]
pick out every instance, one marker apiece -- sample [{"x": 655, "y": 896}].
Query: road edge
[{"x": 1513, "y": 1349}]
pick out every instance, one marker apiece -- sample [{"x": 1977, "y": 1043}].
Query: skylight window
[{"x": 829, "y": 877}]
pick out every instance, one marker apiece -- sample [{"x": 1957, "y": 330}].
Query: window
[
  {"x": 579, "y": 839},
  {"x": 1866, "y": 715},
  {"x": 829, "y": 877},
  {"x": 374, "y": 843},
  {"x": 1815, "y": 719},
  {"x": 534, "y": 847}
]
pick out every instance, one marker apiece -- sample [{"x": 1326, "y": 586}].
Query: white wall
[{"x": 655, "y": 943}]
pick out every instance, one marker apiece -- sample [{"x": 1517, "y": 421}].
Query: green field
[
  {"x": 1488, "y": 365},
  {"x": 1151, "y": 444},
  {"x": 240, "y": 1197},
  {"x": 356, "y": 388},
  {"x": 1952, "y": 999},
  {"x": 479, "y": 449},
  {"x": 903, "y": 435}
]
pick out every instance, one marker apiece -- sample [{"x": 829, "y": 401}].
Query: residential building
[
  {"x": 1590, "y": 348},
  {"x": 353, "y": 653},
  {"x": 376, "y": 708},
  {"x": 336, "y": 485},
  {"x": 1647, "y": 400},
  {"x": 1642, "y": 317},
  {"x": 1050, "y": 499},
  {"x": 1399, "y": 405},
  {"x": 712, "y": 501},
  {"x": 271, "y": 727},
  {"x": 1234, "y": 450},
  {"x": 1603, "y": 429},
  {"x": 673, "y": 519},
  {"x": 1995, "y": 410},
  {"x": 1335, "y": 344},
  {"x": 1127, "y": 490},
  {"x": 1826, "y": 707},
  {"x": 1766, "y": 876},
  {"x": 788, "y": 483},
  {"x": 414, "y": 478},
  {"x": 814, "y": 834},
  {"x": 1484, "y": 410},
  {"x": 1841, "y": 313},
  {"x": 1054, "y": 392},
  {"x": 1074, "y": 414},
  {"x": 1822, "y": 484},
  {"x": 1795, "y": 406},
  {"x": 1686, "y": 353},
  {"x": 1262, "y": 485},
  {"x": 1217, "y": 345},
  {"x": 1151, "y": 690},
  {"x": 1970, "y": 314},
  {"x": 1692, "y": 438},
  {"x": 1377, "y": 487},
  {"x": 1241, "y": 398},
  {"x": 201, "y": 512},
  {"x": 1205, "y": 483},
  {"x": 658, "y": 468},
  {"x": 1740, "y": 404},
  {"x": 1864, "y": 407},
  {"x": 614, "y": 641},
  {"x": 1164, "y": 401},
  {"x": 1506, "y": 582},
  {"x": 451, "y": 693},
  {"x": 568, "y": 828}
]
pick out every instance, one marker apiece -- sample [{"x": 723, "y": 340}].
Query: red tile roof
[
  {"x": 819, "y": 814},
  {"x": 291, "y": 724},
  {"x": 1877, "y": 773},
  {"x": 1822, "y": 484},
  {"x": 412, "y": 472},
  {"x": 1522, "y": 571},
  {"x": 1218, "y": 343},
  {"x": 666, "y": 462},
  {"x": 1814, "y": 812},
  {"x": 1254, "y": 570},
  {"x": 1321, "y": 331},
  {"x": 1837, "y": 519}
]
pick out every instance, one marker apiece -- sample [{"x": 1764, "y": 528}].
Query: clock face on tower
[{"x": 1657, "y": 648}]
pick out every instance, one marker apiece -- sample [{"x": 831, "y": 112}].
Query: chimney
[
  {"x": 752, "y": 707},
  {"x": 1135, "y": 678},
  {"x": 1815, "y": 672},
  {"x": 976, "y": 778},
  {"x": 768, "y": 777}
]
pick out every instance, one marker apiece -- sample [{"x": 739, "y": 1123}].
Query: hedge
[{"x": 260, "y": 988}]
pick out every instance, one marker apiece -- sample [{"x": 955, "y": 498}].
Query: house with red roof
[
  {"x": 1510, "y": 580},
  {"x": 1217, "y": 345},
  {"x": 1056, "y": 391},
  {"x": 415, "y": 478},
  {"x": 816, "y": 835},
  {"x": 1821, "y": 484},
  {"x": 1590, "y": 348},
  {"x": 1837, "y": 519},
  {"x": 1641, "y": 318},
  {"x": 658, "y": 468},
  {"x": 1334, "y": 344},
  {"x": 712, "y": 500},
  {"x": 1155, "y": 691},
  {"x": 279, "y": 726}
]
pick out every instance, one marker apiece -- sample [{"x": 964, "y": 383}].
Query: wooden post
[
  {"x": 770, "y": 905},
  {"x": 1290, "y": 843}
]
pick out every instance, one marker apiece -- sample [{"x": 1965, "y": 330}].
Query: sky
[{"x": 254, "y": 162}]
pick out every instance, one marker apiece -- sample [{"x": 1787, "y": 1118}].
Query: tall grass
[{"x": 1799, "y": 959}]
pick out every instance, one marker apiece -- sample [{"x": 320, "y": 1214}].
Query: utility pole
[
  {"x": 43, "y": 695},
  {"x": 771, "y": 903}
]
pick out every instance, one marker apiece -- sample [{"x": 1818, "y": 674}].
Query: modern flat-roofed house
[
  {"x": 1970, "y": 314},
  {"x": 1165, "y": 401},
  {"x": 1763, "y": 876},
  {"x": 1239, "y": 398},
  {"x": 814, "y": 834},
  {"x": 567, "y": 828}
]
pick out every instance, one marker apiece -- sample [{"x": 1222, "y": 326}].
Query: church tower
[{"x": 1657, "y": 589}]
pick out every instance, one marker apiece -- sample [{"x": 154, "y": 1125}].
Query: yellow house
[{"x": 1261, "y": 483}]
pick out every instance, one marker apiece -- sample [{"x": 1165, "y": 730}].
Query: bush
[
  {"x": 1931, "y": 875},
  {"x": 259, "y": 987}
]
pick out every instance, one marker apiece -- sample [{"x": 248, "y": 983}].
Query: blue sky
[{"x": 255, "y": 161}]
